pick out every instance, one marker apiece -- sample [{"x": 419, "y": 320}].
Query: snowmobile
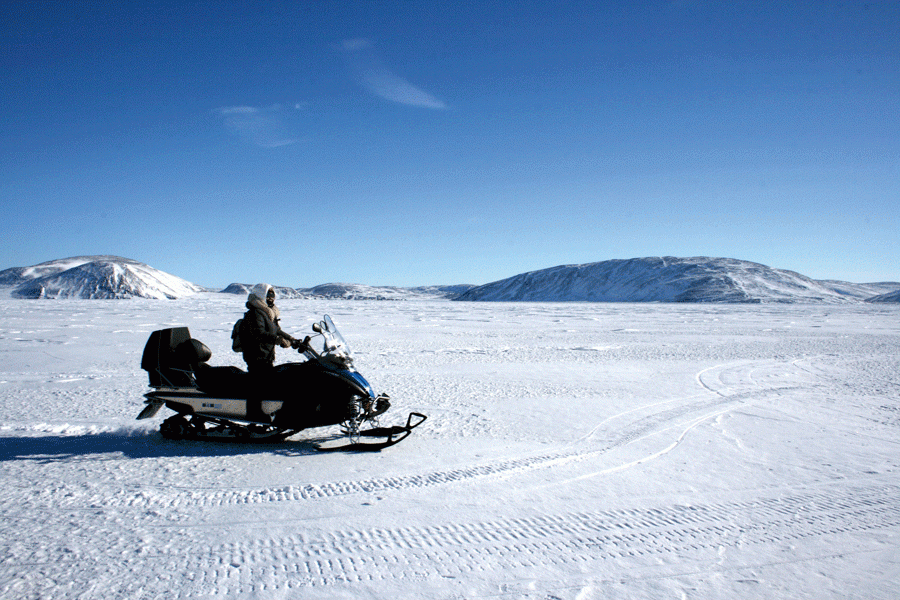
[{"x": 218, "y": 403}]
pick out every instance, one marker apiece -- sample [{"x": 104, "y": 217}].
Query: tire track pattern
[{"x": 243, "y": 564}]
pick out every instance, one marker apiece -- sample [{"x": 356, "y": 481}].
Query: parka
[{"x": 259, "y": 330}]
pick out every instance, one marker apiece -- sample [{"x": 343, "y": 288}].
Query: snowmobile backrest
[
  {"x": 165, "y": 366},
  {"x": 192, "y": 352}
]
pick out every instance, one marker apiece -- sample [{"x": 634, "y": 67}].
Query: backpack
[{"x": 236, "y": 336}]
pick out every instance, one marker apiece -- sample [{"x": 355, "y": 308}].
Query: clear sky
[{"x": 437, "y": 142}]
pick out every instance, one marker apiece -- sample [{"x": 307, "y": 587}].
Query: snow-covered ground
[{"x": 573, "y": 450}]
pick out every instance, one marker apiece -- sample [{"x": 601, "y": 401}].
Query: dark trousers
[{"x": 260, "y": 372}]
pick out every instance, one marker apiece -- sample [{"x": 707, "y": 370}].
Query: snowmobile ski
[{"x": 394, "y": 435}]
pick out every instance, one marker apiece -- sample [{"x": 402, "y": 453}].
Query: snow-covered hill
[
  {"x": 100, "y": 277},
  {"x": 662, "y": 279},
  {"x": 349, "y": 291},
  {"x": 861, "y": 291},
  {"x": 242, "y": 289},
  {"x": 890, "y": 297},
  {"x": 665, "y": 279},
  {"x": 353, "y": 291}
]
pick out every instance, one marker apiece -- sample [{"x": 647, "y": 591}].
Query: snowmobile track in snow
[
  {"x": 245, "y": 564},
  {"x": 678, "y": 415},
  {"x": 164, "y": 498},
  {"x": 630, "y": 452}
]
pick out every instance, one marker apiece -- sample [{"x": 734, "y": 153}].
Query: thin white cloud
[
  {"x": 356, "y": 44},
  {"x": 373, "y": 75},
  {"x": 263, "y": 127},
  {"x": 238, "y": 110}
]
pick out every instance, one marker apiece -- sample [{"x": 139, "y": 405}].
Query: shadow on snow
[{"x": 50, "y": 448}]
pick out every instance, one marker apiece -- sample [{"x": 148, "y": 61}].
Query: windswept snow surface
[{"x": 574, "y": 451}]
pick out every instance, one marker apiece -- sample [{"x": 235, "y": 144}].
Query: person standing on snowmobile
[{"x": 260, "y": 330}]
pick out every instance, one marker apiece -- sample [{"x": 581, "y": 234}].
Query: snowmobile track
[
  {"x": 246, "y": 564},
  {"x": 94, "y": 508},
  {"x": 677, "y": 415}
]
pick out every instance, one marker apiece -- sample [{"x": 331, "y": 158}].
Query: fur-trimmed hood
[{"x": 257, "y": 299}]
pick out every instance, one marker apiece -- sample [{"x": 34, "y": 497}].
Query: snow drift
[
  {"x": 95, "y": 277},
  {"x": 663, "y": 279}
]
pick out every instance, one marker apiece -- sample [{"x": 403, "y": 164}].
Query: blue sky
[{"x": 418, "y": 143}]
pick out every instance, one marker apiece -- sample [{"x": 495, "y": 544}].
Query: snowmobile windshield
[{"x": 334, "y": 348}]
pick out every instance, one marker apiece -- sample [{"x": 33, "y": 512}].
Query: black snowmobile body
[{"x": 227, "y": 403}]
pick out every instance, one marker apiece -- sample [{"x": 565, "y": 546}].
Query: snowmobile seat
[{"x": 223, "y": 382}]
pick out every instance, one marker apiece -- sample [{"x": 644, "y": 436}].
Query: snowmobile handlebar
[{"x": 301, "y": 345}]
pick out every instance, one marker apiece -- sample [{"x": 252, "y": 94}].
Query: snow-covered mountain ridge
[
  {"x": 656, "y": 279},
  {"x": 95, "y": 277},
  {"x": 671, "y": 279},
  {"x": 354, "y": 291},
  {"x": 103, "y": 277}
]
